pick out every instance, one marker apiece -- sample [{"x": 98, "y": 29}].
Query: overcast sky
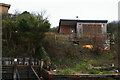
[{"x": 68, "y": 9}]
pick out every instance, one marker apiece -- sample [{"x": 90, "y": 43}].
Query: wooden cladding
[{"x": 91, "y": 29}]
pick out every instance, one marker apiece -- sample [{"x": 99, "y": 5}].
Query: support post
[
  {"x": 41, "y": 67},
  {"x": 118, "y": 51},
  {"x": 14, "y": 71},
  {"x": 29, "y": 67}
]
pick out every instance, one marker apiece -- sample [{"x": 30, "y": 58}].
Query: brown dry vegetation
[{"x": 65, "y": 54}]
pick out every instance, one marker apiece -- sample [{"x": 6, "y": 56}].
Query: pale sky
[{"x": 68, "y": 9}]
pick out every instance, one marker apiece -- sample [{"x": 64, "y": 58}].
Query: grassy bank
[{"x": 68, "y": 58}]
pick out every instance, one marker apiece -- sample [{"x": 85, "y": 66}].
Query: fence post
[
  {"x": 29, "y": 67},
  {"x": 41, "y": 67},
  {"x": 23, "y": 60},
  {"x": 14, "y": 70}
]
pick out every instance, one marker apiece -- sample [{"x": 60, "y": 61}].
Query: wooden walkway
[
  {"x": 30, "y": 69},
  {"x": 21, "y": 68}
]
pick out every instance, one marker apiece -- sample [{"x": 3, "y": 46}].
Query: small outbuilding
[
  {"x": 83, "y": 27},
  {"x": 4, "y": 8},
  {"x": 90, "y": 31}
]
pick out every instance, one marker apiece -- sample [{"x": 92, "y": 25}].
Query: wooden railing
[
  {"x": 35, "y": 73},
  {"x": 20, "y": 61}
]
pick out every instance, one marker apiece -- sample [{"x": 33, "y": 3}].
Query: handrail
[
  {"x": 20, "y": 61},
  {"x": 35, "y": 73}
]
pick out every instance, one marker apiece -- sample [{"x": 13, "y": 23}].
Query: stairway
[
  {"x": 22, "y": 73},
  {"x": 7, "y": 72}
]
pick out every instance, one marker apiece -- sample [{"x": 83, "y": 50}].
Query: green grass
[
  {"x": 65, "y": 71},
  {"x": 93, "y": 71},
  {"x": 82, "y": 66},
  {"x": 106, "y": 72},
  {"x": 74, "y": 71}
]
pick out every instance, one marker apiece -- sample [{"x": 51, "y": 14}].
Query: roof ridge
[{"x": 84, "y": 20}]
